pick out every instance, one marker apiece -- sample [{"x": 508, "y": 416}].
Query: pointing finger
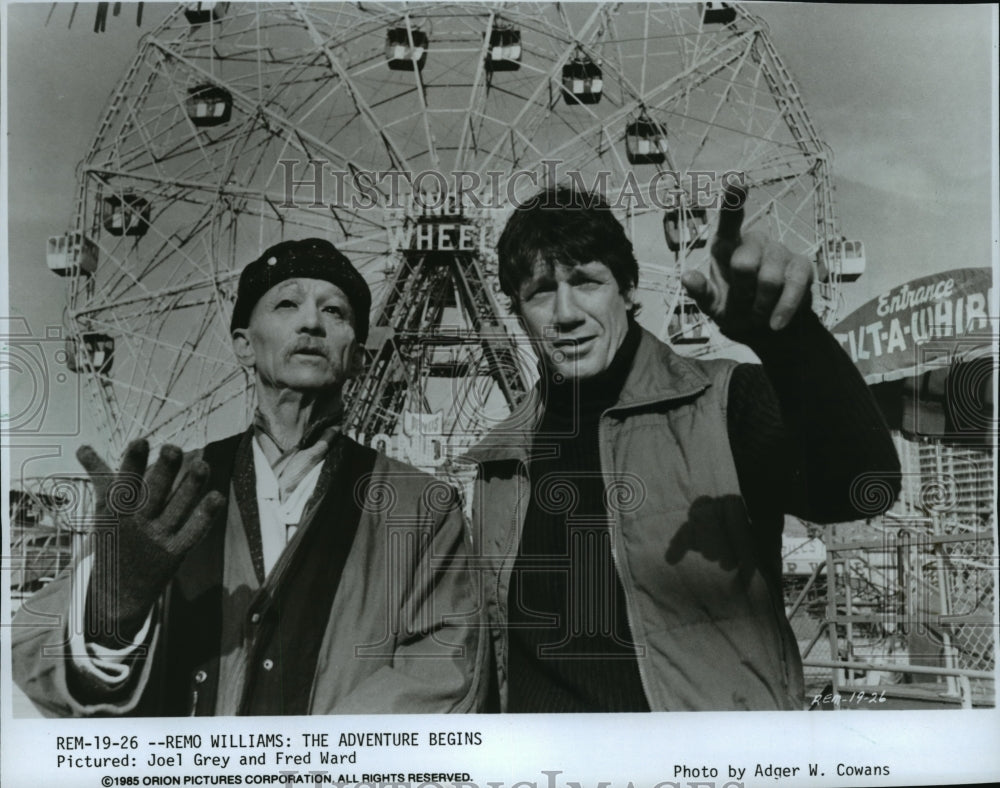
[
  {"x": 731, "y": 212},
  {"x": 727, "y": 236},
  {"x": 744, "y": 266},
  {"x": 798, "y": 277},
  {"x": 770, "y": 281}
]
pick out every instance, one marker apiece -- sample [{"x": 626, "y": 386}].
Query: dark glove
[{"x": 144, "y": 529}]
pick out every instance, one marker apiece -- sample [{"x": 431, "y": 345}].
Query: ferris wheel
[{"x": 403, "y": 133}]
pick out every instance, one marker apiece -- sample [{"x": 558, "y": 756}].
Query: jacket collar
[{"x": 657, "y": 375}]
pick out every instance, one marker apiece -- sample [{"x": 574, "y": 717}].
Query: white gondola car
[
  {"x": 645, "y": 142},
  {"x": 582, "y": 81},
  {"x": 71, "y": 254},
  {"x": 852, "y": 260},
  {"x": 504, "y": 53},
  {"x": 398, "y": 52},
  {"x": 691, "y": 233},
  {"x": 849, "y": 257},
  {"x": 209, "y": 105}
]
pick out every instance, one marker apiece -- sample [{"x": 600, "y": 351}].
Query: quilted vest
[{"x": 702, "y": 582}]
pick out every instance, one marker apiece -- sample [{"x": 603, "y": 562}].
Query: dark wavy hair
[{"x": 567, "y": 226}]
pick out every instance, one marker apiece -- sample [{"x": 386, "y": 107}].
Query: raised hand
[
  {"x": 154, "y": 527},
  {"x": 754, "y": 283}
]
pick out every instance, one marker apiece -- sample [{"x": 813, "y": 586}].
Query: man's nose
[
  {"x": 566, "y": 312},
  {"x": 310, "y": 317}
]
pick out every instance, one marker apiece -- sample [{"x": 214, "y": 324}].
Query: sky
[{"x": 902, "y": 94}]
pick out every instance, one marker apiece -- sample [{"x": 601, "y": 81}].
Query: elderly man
[
  {"x": 333, "y": 581},
  {"x": 631, "y": 510}
]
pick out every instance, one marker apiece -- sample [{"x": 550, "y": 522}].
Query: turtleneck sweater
[{"x": 570, "y": 644}]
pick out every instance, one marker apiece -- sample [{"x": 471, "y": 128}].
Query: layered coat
[{"x": 370, "y": 609}]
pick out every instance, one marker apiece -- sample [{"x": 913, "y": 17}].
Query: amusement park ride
[
  {"x": 237, "y": 126},
  {"x": 240, "y": 125}
]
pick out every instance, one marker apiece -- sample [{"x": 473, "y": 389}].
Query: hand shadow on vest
[{"x": 718, "y": 530}]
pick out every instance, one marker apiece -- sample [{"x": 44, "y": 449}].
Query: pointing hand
[{"x": 754, "y": 283}]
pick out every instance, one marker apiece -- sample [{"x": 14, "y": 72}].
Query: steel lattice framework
[{"x": 264, "y": 122}]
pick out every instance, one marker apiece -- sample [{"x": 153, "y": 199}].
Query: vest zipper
[
  {"x": 618, "y": 570},
  {"x": 510, "y": 548}
]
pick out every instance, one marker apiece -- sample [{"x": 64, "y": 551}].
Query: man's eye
[
  {"x": 286, "y": 303},
  {"x": 334, "y": 310},
  {"x": 538, "y": 292}
]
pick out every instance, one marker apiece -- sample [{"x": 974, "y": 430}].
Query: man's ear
[
  {"x": 629, "y": 297},
  {"x": 357, "y": 361},
  {"x": 515, "y": 309},
  {"x": 242, "y": 347}
]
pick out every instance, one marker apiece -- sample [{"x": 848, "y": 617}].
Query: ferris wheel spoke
[
  {"x": 473, "y": 109},
  {"x": 162, "y": 53},
  {"x": 534, "y": 99},
  {"x": 193, "y": 418},
  {"x": 152, "y": 301},
  {"x": 131, "y": 278},
  {"x": 418, "y": 82},
  {"x": 192, "y": 339},
  {"x": 149, "y": 327},
  {"x": 144, "y": 392},
  {"x": 145, "y": 144},
  {"x": 399, "y": 160},
  {"x": 697, "y": 73},
  {"x": 171, "y": 245},
  {"x": 271, "y": 200},
  {"x": 156, "y": 112},
  {"x": 286, "y": 125},
  {"x": 724, "y": 99},
  {"x": 663, "y": 95},
  {"x": 756, "y": 90},
  {"x": 770, "y": 207}
]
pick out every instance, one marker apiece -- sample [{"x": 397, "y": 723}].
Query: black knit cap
[{"x": 311, "y": 258}]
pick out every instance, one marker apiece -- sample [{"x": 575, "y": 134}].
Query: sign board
[{"x": 884, "y": 336}]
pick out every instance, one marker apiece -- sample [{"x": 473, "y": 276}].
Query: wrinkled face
[
  {"x": 575, "y": 315},
  {"x": 300, "y": 336}
]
